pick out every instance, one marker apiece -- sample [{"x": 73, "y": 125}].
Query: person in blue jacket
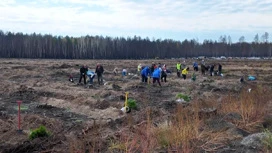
[
  {"x": 195, "y": 65},
  {"x": 91, "y": 76},
  {"x": 156, "y": 75},
  {"x": 145, "y": 72}
]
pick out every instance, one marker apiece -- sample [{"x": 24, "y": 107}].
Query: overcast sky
[{"x": 159, "y": 19}]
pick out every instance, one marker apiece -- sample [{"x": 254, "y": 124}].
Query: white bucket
[{"x": 125, "y": 109}]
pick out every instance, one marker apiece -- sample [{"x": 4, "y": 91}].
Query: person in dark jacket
[
  {"x": 211, "y": 69},
  {"x": 83, "y": 71},
  {"x": 203, "y": 69},
  {"x": 164, "y": 73},
  {"x": 152, "y": 68},
  {"x": 219, "y": 69},
  {"x": 99, "y": 71},
  {"x": 145, "y": 72}
]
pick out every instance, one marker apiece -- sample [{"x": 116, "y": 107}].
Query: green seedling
[
  {"x": 184, "y": 97},
  {"x": 132, "y": 103},
  {"x": 39, "y": 132}
]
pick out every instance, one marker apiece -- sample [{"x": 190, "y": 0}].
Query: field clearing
[{"x": 84, "y": 119}]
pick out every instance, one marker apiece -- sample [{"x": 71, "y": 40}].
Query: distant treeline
[{"x": 19, "y": 45}]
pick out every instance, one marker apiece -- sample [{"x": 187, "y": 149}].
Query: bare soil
[{"x": 73, "y": 113}]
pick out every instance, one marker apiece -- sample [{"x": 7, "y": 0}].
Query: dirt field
[{"x": 82, "y": 119}]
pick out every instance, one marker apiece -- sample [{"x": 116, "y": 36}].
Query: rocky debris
[
  {"x": 254, "y": 141},
  {"x": 232, "y": 117},
  {"x": 218, "y": 124},
  {"x": 237, "y": 132}
]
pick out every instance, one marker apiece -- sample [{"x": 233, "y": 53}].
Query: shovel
[{"x": 126, "y": 109}]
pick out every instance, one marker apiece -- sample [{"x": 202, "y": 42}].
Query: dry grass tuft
[{"x": 251, "y": 106}]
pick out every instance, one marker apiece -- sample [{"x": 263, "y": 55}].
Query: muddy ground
[{"x": 75, "y": 114}]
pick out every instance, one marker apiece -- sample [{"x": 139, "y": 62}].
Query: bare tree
[
  {"x": 265, "y": 37},
  {"x": 242, "y": 39},
  {"x": 229, "y": 40},
  {"x": 256, "y": 38}
]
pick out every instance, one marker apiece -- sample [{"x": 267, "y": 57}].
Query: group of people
[
  {"x": 211, "y": 69},
  {"x": 84, "y": 71},
  {"x": 183, "y": 69},
  {"x": 157, "y": 72}
]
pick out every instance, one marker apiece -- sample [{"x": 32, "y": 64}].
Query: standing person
[
  {"x": 152, "y": 68},
  {"x": 211, "y": 69},
  {"x": 178, "y": 69},
  {"x": 83, "y": 71},
  {"x": 219, "y": 69},
  {"x": 204, "y": 69},
  {"x": 156, "y": 75},
  {"x": 139, "y": 68},
  {"x": 185, "y": 72},
  {"x": 91, "y": 76},
  {"x": 145, "y": 72},
  {"x": 163, "y": 73},
  {"x": 195, "y": 65},
  {"x": 99, "y": 71}
]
